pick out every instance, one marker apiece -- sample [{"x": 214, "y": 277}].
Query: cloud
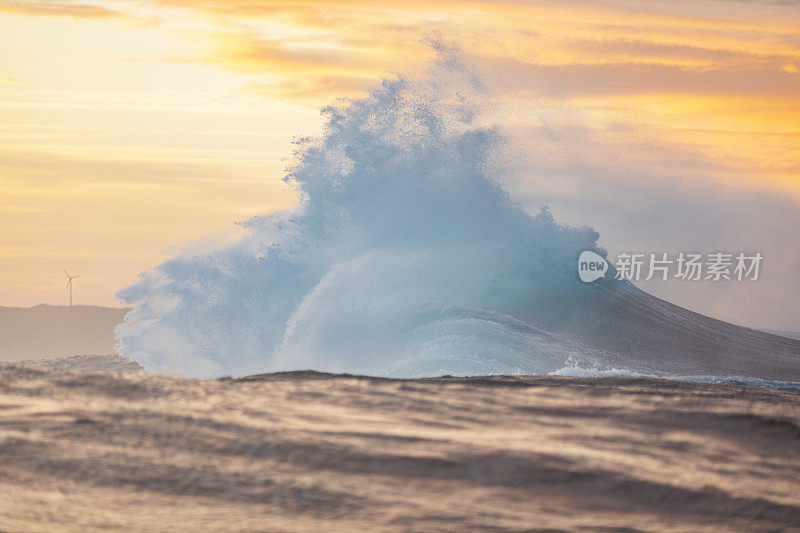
[
  {"x": 320, "y": 49},
  {"x": 677, "y": 53},
  {"x": 255, "y": 53},
  {"x": 52, "y": 9},
  {"x": 310, "y": 88},
  {"x": 573, "y": 80}
]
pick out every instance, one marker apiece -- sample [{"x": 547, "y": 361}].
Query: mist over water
[{"x": 404, "y": 257}]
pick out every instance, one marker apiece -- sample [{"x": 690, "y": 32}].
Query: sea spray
[{"x": 404, "y": 257}]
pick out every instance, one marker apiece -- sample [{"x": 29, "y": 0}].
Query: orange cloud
[
  {"x": 58, "y": 9},
  {"x": 255, "y": 53},
  {"x": 567, "y": 48},
  {"x": 313, "y": 89}
]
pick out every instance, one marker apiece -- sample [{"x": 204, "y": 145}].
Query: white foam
[{"x": 578, "y": 372}]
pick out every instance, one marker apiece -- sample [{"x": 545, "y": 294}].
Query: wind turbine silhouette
[{"x": 69, "y": 285}]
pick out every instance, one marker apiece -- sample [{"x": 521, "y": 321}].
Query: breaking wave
[{"x": 404, "y": 257}]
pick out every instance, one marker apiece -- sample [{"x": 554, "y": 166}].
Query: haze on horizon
[{"x": 129, "y": 129}]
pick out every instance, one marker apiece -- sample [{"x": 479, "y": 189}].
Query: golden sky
[{"x": 128, "y": 128}]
